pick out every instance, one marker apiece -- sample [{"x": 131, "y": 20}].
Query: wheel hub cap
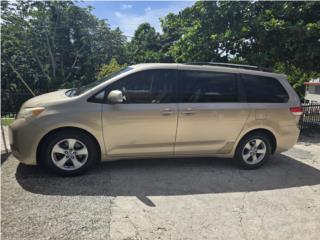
[
  {"x": 69, "y": 154},
  {"x": 254, "y": 151}
]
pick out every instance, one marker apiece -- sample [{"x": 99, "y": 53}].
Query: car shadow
[{"x": 166, "y": 177}]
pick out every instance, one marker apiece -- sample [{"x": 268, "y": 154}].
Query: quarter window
[
  {"x": 205, "y": 87},
  {"x": 260, "y": 89},
  {"x": 151, "y": 86}
]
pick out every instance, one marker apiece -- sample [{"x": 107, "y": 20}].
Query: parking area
[{"x": 195, "y": 198}]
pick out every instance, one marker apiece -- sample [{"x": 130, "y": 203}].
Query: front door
[
  {"x": 145, "y": 123},
  {"x": 210, "y": 113}
]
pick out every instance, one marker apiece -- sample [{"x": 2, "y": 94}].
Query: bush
[{"x": 107, "y": 69}]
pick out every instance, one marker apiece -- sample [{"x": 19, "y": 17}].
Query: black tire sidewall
[
  {"x": 244, "y": 141},
  {"x": 50, "y": 141}
]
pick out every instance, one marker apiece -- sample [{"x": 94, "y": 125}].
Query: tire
[
  {"x": 253, "y": 150},
  {"x": 69, "y": 152}
]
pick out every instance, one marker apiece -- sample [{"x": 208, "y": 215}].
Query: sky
[{"x": 128, "y": 15}]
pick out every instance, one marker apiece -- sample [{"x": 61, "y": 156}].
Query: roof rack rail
[{"x": 231, "y": 65}]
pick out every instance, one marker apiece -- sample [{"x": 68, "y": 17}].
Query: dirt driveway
[{"x": 167, "y": 199}]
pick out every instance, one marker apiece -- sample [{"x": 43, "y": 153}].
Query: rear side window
[
  {"x": 260, "y": 89},
  {"x": 205, "y": 87}
]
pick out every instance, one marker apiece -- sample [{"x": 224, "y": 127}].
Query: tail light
[{"x": 297, "y": 111}]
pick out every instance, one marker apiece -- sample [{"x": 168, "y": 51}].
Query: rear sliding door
[{"x": 211, "y": 115}]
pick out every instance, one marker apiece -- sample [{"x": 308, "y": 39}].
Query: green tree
[
  {"x": 50, "y": 45},
  {"x": 145, "y": 45},
  {"x": 261, "y": 33},
  {"x": 107, "y": 69},
  {"x": 280, "y": 35},
  {"x": 55, "y": 44}
]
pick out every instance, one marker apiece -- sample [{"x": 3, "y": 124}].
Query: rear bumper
[
  {"x": 287, "y": 138},
  {"x": 24, "y": 138}
]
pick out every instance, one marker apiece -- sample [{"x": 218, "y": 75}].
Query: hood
[{"x": 46, "y": 99}]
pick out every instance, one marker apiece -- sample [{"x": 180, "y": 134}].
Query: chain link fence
[
  {"x": 11, "y": 101},
  {"x": 311, "y": 116}
]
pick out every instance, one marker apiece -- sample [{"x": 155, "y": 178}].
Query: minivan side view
[{"x": 160, "y": 110}]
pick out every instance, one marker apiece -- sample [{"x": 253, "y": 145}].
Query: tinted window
[
  {"x": 208, "y": 87},
  {"x": 152, "y": 86},
  {"x": 78, "y": 91},
  {"x": 264, "y": 89}
]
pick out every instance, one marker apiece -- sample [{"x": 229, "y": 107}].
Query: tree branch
[
  {"x": 41, "y": 67},
  {"x": 53, "y": 63},
  {"x": 21, "y": 79},
  {"x": 74, "y": 63}
]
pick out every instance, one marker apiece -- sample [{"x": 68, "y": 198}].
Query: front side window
[
  {"x": 79, "y": 91},
  {"x": 260, "y": 89},
  {"x": 206, "y": 87},
  {"x": 150, "y": 86}
]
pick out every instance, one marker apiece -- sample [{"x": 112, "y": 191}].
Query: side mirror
[{"x": 115, "y": 96}]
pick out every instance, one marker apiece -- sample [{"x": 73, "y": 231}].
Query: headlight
[{"x": 30, "y": 112}]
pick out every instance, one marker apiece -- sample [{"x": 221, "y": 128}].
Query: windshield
[{"x": 80, "y": 90}]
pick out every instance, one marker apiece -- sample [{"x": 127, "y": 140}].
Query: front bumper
[{"x": 24, "y": 138}]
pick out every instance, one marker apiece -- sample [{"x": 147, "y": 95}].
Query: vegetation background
[{"x": 55, "y": 44}]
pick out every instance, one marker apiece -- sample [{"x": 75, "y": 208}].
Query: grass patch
[{"x": 6, "y": 121}]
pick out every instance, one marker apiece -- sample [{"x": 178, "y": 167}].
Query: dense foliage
[
  {"x": 56, "y": 44},
  {"x": 280, "y": 35},
  {"x": 145, "y": 45},
  {"x": 111, "y": 67}
]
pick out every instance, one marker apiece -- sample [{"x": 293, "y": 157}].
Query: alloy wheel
[
  {"x": 69, "y": 154},
  {"x": 254, "y": 151}
]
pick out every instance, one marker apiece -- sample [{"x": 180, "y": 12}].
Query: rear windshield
[
  {"x": 260, "y": 89},
  {"x": 83, "y": 89}
]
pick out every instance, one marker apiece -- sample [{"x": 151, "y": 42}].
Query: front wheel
[
  {"x": 69, "y": 152},
  {"x": 253, "y": 150}
]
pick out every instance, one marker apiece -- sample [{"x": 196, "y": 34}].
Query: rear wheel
[
  {"x": 69, "y": 152},
  {"x": 253, "y": 150}
]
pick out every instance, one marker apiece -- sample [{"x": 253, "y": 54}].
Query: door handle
[
  {"x": 166, "y": 111},
  {"x": 188, "y": 111}
]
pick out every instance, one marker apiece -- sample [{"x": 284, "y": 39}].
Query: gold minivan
[{"x": 160, "y": 110}]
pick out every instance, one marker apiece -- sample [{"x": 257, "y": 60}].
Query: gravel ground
[{"x": 167, "y": 199}]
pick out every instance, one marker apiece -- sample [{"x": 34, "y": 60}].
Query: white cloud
[
  {"x": 118, "y": 14},
  {"x": 128, "y": 22},
  {"x": 126, "y": 6}
]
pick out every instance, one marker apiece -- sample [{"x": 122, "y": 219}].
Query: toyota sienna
[{"x": 160, "y": 110}]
